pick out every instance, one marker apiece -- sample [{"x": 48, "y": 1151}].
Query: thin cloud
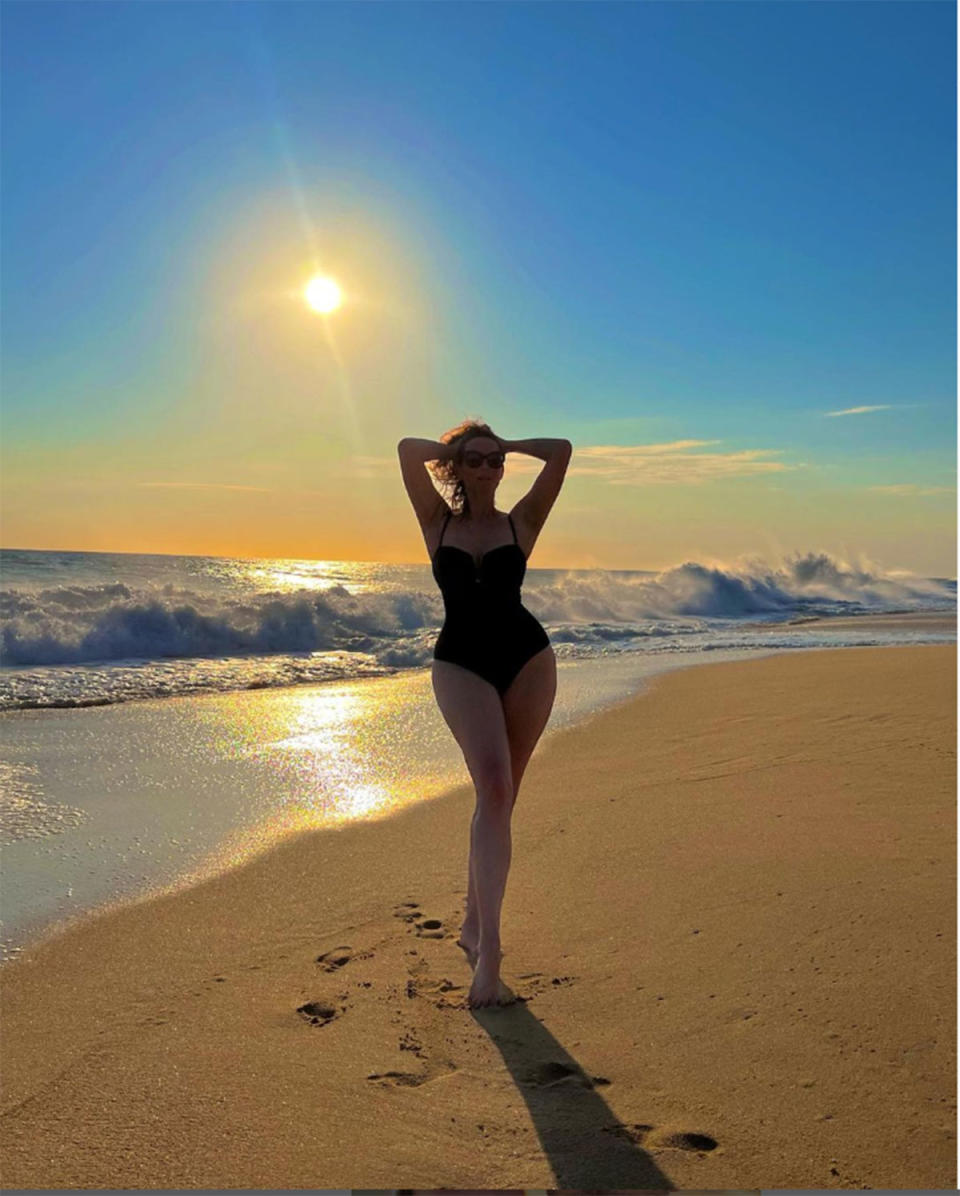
[
  {"x": 364, "y": 466},
  {"x": 370, "y": 467},
  {"x": 859, "y": 410},
  {"x": 911, "y": 488},
  {"x": 672, "y": 464}
]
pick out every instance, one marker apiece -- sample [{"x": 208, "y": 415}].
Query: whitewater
[{"x": 84, "y": 629}]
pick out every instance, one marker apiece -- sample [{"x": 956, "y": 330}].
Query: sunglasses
[{"x": 474, "y": 460}]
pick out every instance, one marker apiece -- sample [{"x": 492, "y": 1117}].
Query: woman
[{"x": 494, "y": 672}]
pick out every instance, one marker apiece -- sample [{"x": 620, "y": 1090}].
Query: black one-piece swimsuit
[{"x": 486, "y": 629}]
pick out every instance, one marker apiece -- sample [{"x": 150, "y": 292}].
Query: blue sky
[{"x": 628, "y": 224}]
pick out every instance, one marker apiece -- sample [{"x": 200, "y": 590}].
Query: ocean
[{"x": 86, "y": 628}]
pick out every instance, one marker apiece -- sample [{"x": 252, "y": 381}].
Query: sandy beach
[{"x": 730, "y": 924}]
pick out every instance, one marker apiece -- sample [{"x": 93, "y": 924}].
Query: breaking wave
[{"x": 128, "y": 633}]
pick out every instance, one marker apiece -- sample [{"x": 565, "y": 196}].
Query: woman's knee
[{"x": 494, "y": 790}]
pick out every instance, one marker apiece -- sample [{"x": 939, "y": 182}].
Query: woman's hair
[{"x": 456, "y": 494}]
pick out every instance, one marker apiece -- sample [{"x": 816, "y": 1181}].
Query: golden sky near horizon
[
  {"x": 647, "y": 515},
  {"x": 280, "y": 441}
]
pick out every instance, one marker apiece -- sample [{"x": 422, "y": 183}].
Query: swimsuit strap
[
  {"x": 444, "y": 528},
  {"x": 512, "y": 528}
]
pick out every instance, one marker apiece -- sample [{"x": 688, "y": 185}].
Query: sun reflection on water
[
  {"x": 328, "y": 754},
  {"x": 290, "y": 575},
  {"x": 319, "y": 758},
  {"x": 331, "y": 754}
]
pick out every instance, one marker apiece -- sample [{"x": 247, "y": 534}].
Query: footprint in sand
[
  {"x": 684, "y": 1140},
  {"x": 430, "y": 928},
  {"x": 421, "y": 984},
  {"x": 407, "y": 911},
  {"x": 546, "y": 1075},
  {"x": 404, "y": 1079},
  {"x": 410, "y": 1042},
  {"x": 424, "y": 927},
  {"x": 408, "y": 1079},
  {"x": 331, "y": 960},
  {"x": 636, "y": 1132},
  {"x": 663, "y": 1138},
  {"x": 537, "y": 982},
  {"x": 320, "y": 1013}
]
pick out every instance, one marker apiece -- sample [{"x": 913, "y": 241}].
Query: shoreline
[
  {"x": 709, "y": 881},
  {"x": 932, "y": 620}
]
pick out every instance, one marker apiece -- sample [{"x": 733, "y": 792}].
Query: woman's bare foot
[{"x": 486, "y": 987}]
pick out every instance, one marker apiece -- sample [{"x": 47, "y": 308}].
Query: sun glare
[{"x": 323, "y": 295}]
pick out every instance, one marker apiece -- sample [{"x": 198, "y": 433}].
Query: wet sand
[
  {"x": 930, "y": 621},
  {"x": 730, "y": 923}
]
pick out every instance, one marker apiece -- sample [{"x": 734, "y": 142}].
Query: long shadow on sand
[{"x": 584, "y": 1142}]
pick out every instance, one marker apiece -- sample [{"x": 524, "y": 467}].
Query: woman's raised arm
[
  {"x": 546, "y": 450},
  {"x": 412, "y": 449},
  {"x": 532, "y": 510},
  {"x": 414, "y": 455}
]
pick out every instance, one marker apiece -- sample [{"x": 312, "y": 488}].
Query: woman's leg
[
  {"x": 474, "y": 713},
  {"x": 471, "y": 707},
  {"x": 470, "y": 930},
  {"x": 526, "y": 707}
]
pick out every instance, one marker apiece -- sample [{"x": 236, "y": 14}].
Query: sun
[{"x": 323, "y": 294}]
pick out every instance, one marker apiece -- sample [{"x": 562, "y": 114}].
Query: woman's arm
[
  {"x": 412, "y": 449},
  {"x": 544, "y": 449},
  {"x": 414, "y": 455},
  {"x": 532, "y": 510}
]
